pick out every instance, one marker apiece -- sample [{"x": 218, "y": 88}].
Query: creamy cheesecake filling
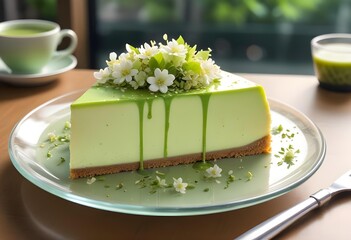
[{"x": 124, "y": 127}]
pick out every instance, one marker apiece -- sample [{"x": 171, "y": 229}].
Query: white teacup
[{"x": 27, "y": 45}]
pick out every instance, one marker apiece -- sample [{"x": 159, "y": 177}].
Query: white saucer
[{"x": 50, "y": 72}]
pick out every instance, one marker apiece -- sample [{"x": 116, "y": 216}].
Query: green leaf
[
  {"x": 191, "y": 52},
  {"x": 136, "y": 64},
  {"x": 180, "y": 40},
  {"x": 171, "y": 69},
  {"x": 204, "y": 55},
  {"x": 159, "y": 58},
  {"x": 192, "y": 66},
  {"x": 157, "y": 61},
  {"x": 153, "y": 64}
]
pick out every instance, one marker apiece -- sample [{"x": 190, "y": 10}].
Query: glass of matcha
[{"x": 331, "y": 55}]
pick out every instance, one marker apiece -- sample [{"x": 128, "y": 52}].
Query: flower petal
[
  {"x": 153, "y": 88},
  {"x": 151, "y": 80},
  {"x": 158, "y": 72},
  {"x": 163, "y": 89}
]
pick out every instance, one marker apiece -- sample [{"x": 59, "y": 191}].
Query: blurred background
[{"x": 251, "y": 36}]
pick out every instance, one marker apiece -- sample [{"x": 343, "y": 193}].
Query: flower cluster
[{"x": 160, "y": 67}]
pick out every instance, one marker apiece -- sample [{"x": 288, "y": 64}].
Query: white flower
[
  {"x": 179, "y": 185},
  {"x": 113, "y": 56},
  {"x": 91, "y": 180},
  {"x": 134, "y": 84},
  {"x": 161, "y": 182},
  {"x": 174, "y": 52},
  {"x": 210, "y": 70},
  {"x": 174, "y": 48},
  {"x": 103, "y": 75},
  {"x": 191, "y": 79},
  {"x": 160, "y": 81},
  {"x": 113, "y": 59},
  {"x": 140, "y": 78},
  {"x": 123, "y": 71},
  {"x": 214, "y": 171},
  {"x": 147, "y": 51},
  {"x": 127, "y": 57}
]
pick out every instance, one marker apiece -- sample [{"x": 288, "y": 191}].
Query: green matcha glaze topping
[{"x": 160, "y": 67}]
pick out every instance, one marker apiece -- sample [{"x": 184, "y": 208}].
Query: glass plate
[{"x": 244, "y": 182}]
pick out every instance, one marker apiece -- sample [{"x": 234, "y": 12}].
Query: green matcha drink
[
  {"x": 23, "y": 31},
  {"x": 332, "y": 64}
]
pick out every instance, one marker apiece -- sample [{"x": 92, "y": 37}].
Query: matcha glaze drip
[
  {"x": 205, "y": 99},
  {"x": 141, "y": 105}
]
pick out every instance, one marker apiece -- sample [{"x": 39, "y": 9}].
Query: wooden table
[{"x": 27, "y": 212}]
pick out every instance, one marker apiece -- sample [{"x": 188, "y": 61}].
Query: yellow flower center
[{"x": 160, "y": 82}]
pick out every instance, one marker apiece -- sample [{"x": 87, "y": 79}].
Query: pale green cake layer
[{"x": 113, "y": 126}]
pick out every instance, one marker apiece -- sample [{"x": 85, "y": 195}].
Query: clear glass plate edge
[{"x": 169, "y": 211}]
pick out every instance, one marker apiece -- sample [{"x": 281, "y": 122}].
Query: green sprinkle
[
  {"x": 65, "y": 138},
  {"x": 230, "y": 179},
  {"x": 62, "y": 160},
  {"x": 249, "y": 176},
  {"x": 277, "y": 130},
  {"x": 100, "y": 179},
  {"x": 67, "y": 125},
  {"x": 289, "y": 157},
  {"x": 119, "y": 186},
  {"x": 160, "y": 173},
  {"x": 154, "y": 183},
  {"x": 206, "y": 190}
]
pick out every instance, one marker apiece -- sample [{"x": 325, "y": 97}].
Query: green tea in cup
[
  {"x": 331, "y": 54},
  {"x": 27, "y": 46},
  {"x": 24, "y": 31}
]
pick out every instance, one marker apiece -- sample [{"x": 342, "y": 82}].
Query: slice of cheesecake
[{"x": 123, "y": 129}]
